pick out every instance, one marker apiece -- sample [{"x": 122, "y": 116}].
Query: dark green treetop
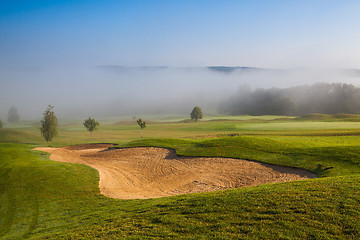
[
  {"x": 91, "y": 124},
  {"x": 49, "y": 124},
  {"x": 196, "y": 113}
]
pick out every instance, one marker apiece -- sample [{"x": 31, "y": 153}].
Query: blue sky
[
  {"x": 274, "y": 34},
  {"x": 51, "y": 50}
]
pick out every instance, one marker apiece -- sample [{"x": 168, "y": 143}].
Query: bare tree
[{"x": 142, "y": 124}]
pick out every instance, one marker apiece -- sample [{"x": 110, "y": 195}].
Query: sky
[{"x": 51, "y": 49}]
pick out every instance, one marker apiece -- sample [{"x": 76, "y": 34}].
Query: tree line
[{"x": 322, "y": 98}]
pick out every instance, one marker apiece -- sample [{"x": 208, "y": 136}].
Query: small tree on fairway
[
  {"x": 13, "y": 115},
  {"x": 142, "y": 124},
  {"x": 196, "y": 113},
  {"x": 91, "y": 125},
  {"x": 1, "y": 124},
  {"x": 49, "y": 124}
]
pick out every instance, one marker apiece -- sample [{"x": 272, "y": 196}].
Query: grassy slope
[
  {"x": 36, "y": 191},
  {"x": 62, "y": 201},
  {"x": 42, "y": 198},
  {"x": 342, "y": 154}
]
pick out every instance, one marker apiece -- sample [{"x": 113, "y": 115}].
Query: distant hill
[
  {"x": 227, "y": 69},
  {"x": 220, "y": 69},
  {"x": 352, "y": 72}
]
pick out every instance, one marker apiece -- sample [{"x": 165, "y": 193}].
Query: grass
[
  {"x": 43, "y": 199},
  {"x": 342, "y": 154},
  {"x": 73, "y": 132}
]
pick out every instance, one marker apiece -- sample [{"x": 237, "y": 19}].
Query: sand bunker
[{"x": 148, "y": 172}]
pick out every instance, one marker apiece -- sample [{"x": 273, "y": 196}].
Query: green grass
[
  {"x": 73, "y": 132},
  {"x": 342, "y": 154},
  {"x": 40, "y": 198}
]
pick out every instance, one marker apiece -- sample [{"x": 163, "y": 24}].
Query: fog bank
[{"x": 113, "y": 91}]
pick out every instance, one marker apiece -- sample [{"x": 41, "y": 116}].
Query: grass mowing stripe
[
  {"x": 36, "y": 187},
  {"x": 7, "y": 201}
]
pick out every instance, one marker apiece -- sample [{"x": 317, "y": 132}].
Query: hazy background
[{"x": 104, "y": 58}]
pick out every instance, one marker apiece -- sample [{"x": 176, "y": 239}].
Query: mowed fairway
[{"x": 41, "y": 198}]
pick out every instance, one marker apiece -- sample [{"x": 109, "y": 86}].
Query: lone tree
[
  {"x": 196, "y": 113},
  {"x": 1, "y": 124},
  {"x": 91, "y": 125},
  {"x": 13, "y": 115},
  {"x": 49, "y": 124},
  {"x": 142, "y": 124}
]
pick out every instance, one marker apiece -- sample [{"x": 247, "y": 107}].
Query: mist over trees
[
  {"x": 13, "y": 115},
  {"x": 196, "y": 114},
  {"x": 322, "y": 98},
  {"x": 164, "y": 90}
]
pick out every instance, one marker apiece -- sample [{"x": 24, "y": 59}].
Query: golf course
[
  {"x": 206, "y": 119},
  {"x": 183, "y": 179}
]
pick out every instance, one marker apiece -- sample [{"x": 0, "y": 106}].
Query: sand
[{"x": 148, "y": 172}]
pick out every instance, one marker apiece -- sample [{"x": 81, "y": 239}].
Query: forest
[{"x": 322, "y": 98}]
